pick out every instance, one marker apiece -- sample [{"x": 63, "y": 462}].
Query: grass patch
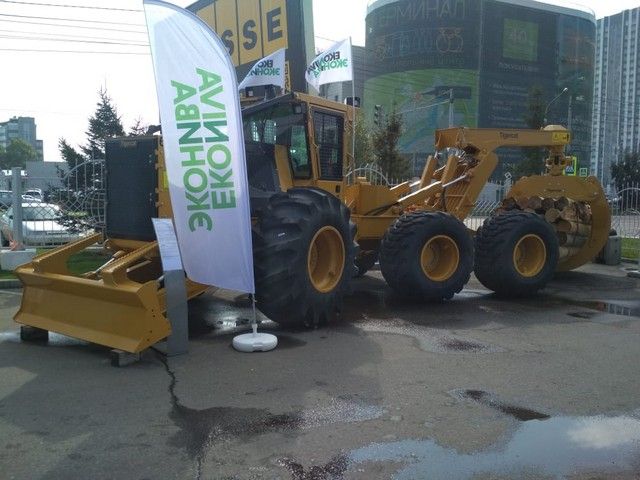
[
  {"x": 6, "y": 275},
  {"x": 86, "y": 261},
  {"x": 631, "y": 248},
  {"x": 81, "y": 262}
]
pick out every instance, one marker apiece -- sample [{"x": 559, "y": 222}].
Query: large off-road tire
[
  {"x": 516, "y": 253},
  {"x": 427, "y": 255},
  {"x": 303, "y": 257}
]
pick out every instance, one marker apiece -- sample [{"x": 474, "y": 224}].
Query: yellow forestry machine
[{"x": 315, "y": 229}]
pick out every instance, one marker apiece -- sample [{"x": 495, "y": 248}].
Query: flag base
[{"x": 255, "y": 342}]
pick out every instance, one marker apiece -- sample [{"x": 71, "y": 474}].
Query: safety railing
[
  {"x": 625, "y": 218},
  {"x": 52, "y": 210}
]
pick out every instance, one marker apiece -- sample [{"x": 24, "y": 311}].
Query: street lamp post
[
  {"x": 564, "y": 90},
  {"x": 451, "y": 108},
  {"x": 569, "y": 114}
]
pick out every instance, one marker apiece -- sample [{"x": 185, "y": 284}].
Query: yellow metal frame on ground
[{"x": 106, "y": 307}]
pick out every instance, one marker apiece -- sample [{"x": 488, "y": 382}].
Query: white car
[
  {"x": 40, "y": 225},
  {"x": 35, "y": 193}
]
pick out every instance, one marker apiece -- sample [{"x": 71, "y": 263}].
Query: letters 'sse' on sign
[{"x": 250, "y": 29}]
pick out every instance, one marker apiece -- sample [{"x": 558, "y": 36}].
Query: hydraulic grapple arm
[{"x": 455, "y": 187}]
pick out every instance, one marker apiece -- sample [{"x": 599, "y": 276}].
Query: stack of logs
[{"x": 571, "y": 220}]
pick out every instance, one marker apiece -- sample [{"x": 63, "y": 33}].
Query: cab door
[{"x": 328, "y": 149}]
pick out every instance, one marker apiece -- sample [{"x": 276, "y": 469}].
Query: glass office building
[{"x": 479, "y": 63}]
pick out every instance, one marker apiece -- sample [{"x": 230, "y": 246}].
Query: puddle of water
[
  {"x": 583, "y": 315},
  {"x": 556, "y": 447},
  {"x": 458, "y": 345},
  {"x": 55, "y": 339},
  {"x": 200, "y": 326},
  {"x": 286, "y": 342},
  {"x": 468, "y": 293},
  {"x": 484, "y": 398},
  {"x": 618, "y": 307},
  {"x": 632, "y": 309},
  {"x": 334, "y": 469},
  {"x": 210, "y": 316},
  {"x": 365, "y": 302}
]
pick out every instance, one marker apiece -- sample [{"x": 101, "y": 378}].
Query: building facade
[
  {"x": 20, "y": 128},
  {"x": 480, "y": 63},
  {"x": 616, "y": 107}
]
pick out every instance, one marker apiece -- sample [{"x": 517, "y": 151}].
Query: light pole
[
  {"x": 564, "y": 90},
  {"x": 451, "y": 108}
]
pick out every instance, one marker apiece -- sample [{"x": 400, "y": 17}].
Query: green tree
[
  {"x": 364, "y": 148},
  {"x": 532, "y": 162},
  {"x": 104, "y": 123},
  {"x": 138, "y": 128},
  {"x": 76, "y": 176},
  {"x": 17, "y": 154},
  {"x": 627, "y": 170},
  {"x": 385, "y": 147}
]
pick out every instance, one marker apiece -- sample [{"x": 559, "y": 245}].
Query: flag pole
[
  {"x": 254, "y": 322},
  {"x": 353, "y": 109}
]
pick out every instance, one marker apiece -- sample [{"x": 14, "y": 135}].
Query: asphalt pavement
[{"x": 474, "y": 388}]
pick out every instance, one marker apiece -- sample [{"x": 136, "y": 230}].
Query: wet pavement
[
  {"x": 542, "y": 448},
  {"x": 475, "y": 388}
]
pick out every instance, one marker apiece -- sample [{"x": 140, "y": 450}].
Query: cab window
[
  {"x": 328, "y": 136},
  {"x": 283, "y": 124},
  {"x": 299, "y": 152}
]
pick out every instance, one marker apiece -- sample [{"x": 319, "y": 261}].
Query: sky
[{"x": 59, "y": 86}]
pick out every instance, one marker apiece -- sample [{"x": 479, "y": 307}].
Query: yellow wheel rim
[
  {"x": 439, "y": 258},
  {"x": 325, "y": 260},
  {"x": 529, "y": 256}
]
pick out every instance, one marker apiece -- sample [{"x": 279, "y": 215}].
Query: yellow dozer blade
[
  {"x": 120, "y": 305},
  {"x": 577, "y": 189}
]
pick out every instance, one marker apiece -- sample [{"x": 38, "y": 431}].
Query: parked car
[
  {"x": 6, "y": 198},
  {"x": 35, "y": 193},
  {"x": 40, "y": 225}
]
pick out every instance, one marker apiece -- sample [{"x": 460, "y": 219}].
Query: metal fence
[
  {"x": 624, "y": 205},
  {"x": 625, "y": 219},
  {"x": 69, "y": 204},
  {"x": 52, "y": 210},
  {"x": 372, "y": 173}
]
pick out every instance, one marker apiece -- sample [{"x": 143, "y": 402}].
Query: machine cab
[{"x": 295, "y": 140}]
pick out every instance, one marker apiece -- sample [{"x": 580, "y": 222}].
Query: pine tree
[
  {"x": 626, "y": 171},
  {"x": 76, "y": 176},
  {"x": 363, "y": 148},
  {"x": 532, "y": 162},
  {"x": 104, "y": 123},
  {"x": 385, "y": 147},
  {"x": 138, "y": 128}
]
